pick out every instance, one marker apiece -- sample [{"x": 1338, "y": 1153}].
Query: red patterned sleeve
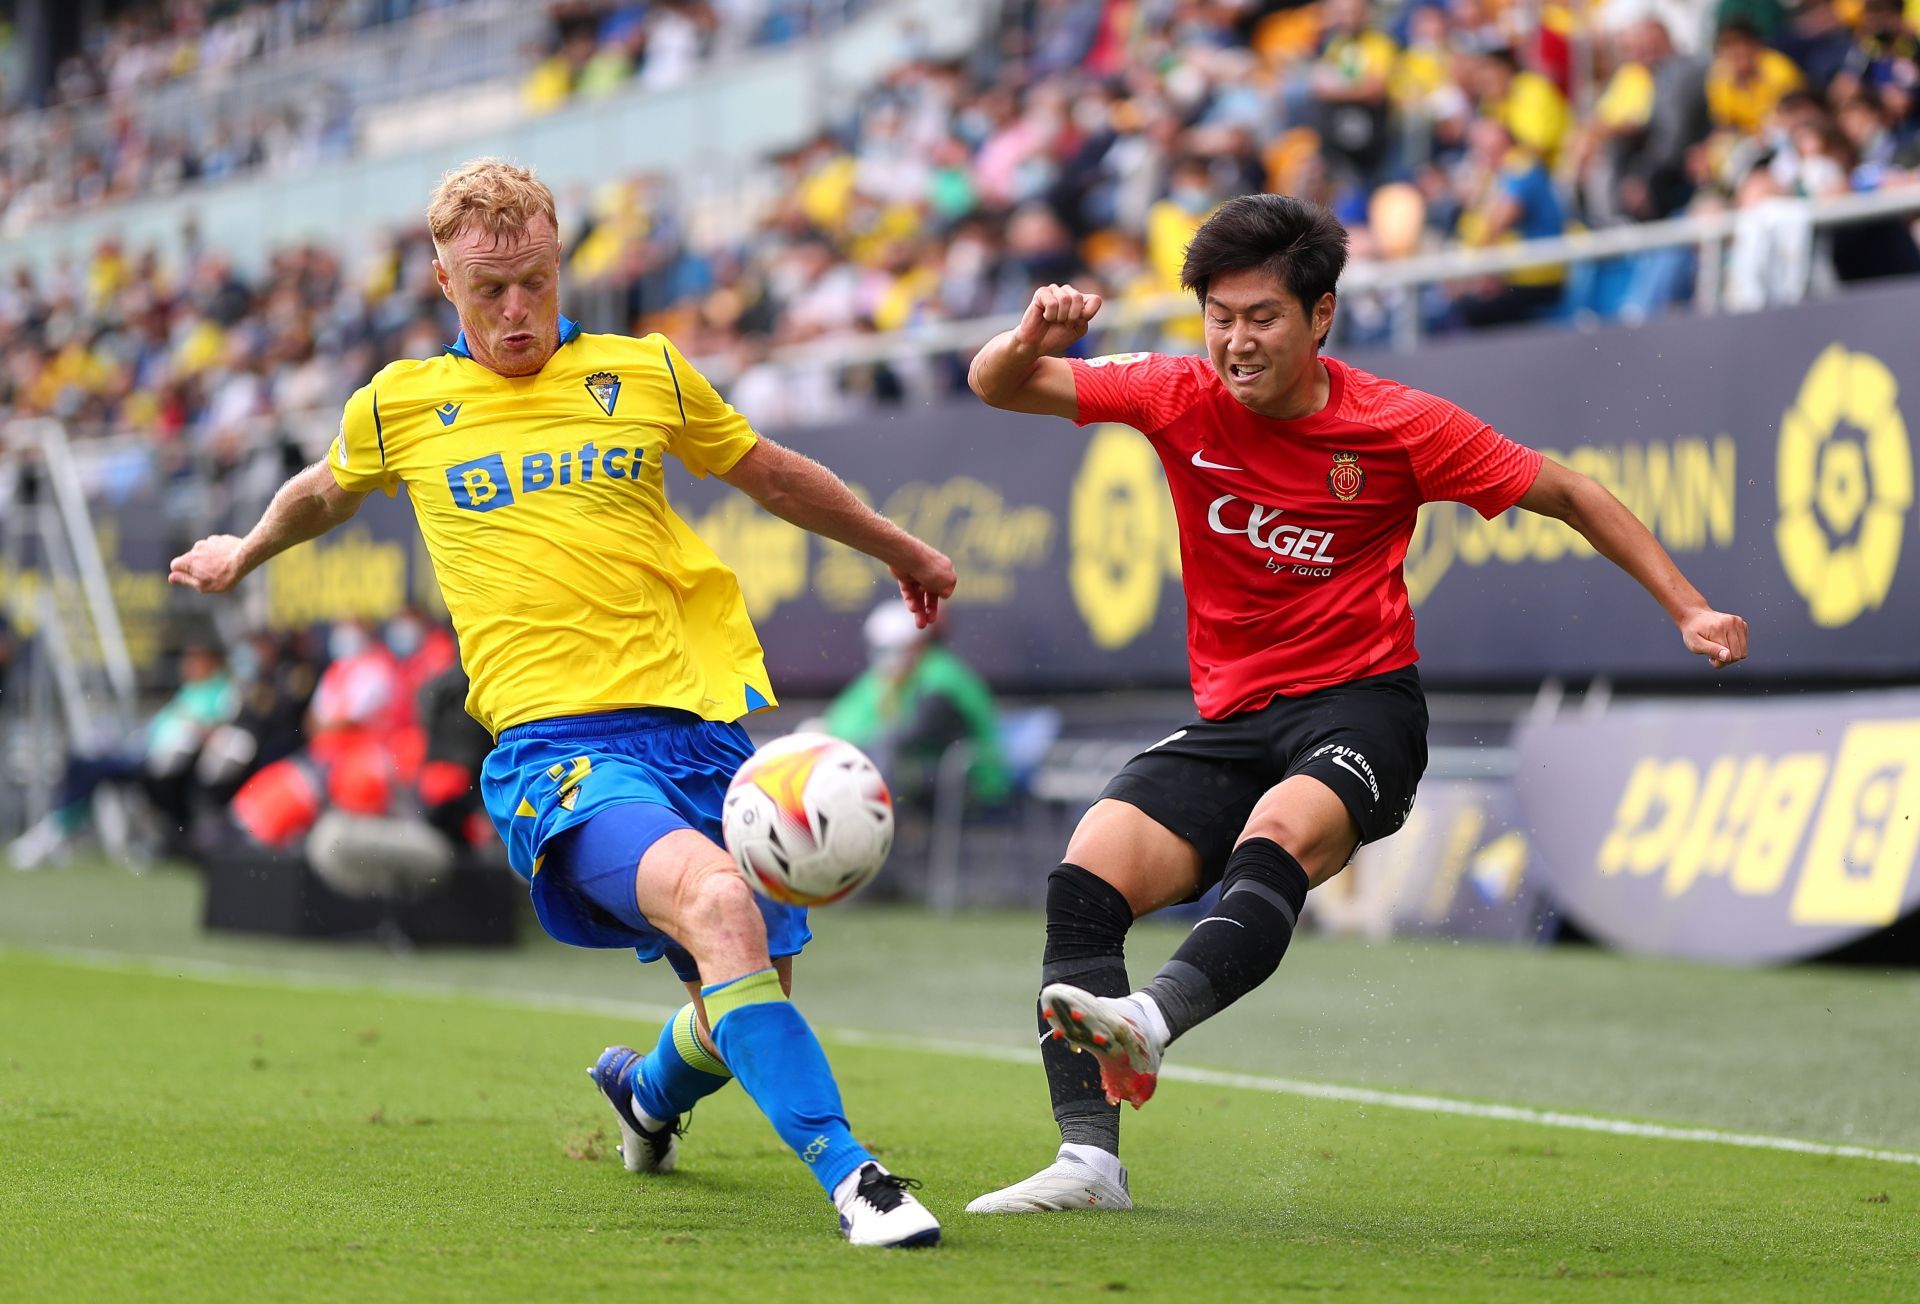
[
  {"x": 1143, "y": 390},
  {"x": 1460, "y": 458}
]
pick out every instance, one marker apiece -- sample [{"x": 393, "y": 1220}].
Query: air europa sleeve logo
[{"x": 1845, "y": 481}]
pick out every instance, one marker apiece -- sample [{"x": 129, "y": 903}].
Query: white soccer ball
[{"x": 808, "y": 820}]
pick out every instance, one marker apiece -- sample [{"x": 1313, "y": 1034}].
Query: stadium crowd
[
  {"x": 1086, "y": 142},
  {"x": 149, "y": 45},
  {"x": 94, "y": 146}
]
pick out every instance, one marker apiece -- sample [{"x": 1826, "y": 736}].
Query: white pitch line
[{"x": 217, "y": 971}]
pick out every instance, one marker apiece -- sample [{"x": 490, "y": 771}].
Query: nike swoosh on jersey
[{"x": 1200, "y": 459}]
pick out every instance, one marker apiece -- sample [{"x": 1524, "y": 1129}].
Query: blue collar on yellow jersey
[{"x": 569, "y": 332}]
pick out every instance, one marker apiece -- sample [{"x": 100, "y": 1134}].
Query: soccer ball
[{"x": 808, "y": 820}]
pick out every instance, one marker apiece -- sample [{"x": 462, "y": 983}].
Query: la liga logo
[{"x": 1346, "y": 479}]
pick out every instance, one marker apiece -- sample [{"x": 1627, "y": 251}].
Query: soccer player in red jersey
[{"x": 1295, "y": 482}]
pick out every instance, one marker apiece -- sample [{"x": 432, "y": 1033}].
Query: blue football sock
[
  {"x": 779, "y": 1062},
  {"x": 678, "y": 1072}
]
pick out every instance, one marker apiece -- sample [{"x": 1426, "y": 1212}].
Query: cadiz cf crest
[
  {"x": 605, "y": 388},
  {"x": 1346, "y": 479}
]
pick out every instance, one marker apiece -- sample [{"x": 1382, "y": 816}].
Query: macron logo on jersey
[{"x": 484, "y": 484}]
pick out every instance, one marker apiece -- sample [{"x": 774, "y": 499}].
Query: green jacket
[{"x": 869, "y": 715}]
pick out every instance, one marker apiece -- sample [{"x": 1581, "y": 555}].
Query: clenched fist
[{"x": 1056, "y": 319}]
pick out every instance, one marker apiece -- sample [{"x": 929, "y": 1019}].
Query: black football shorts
[{"x": 1367, "y": 740}]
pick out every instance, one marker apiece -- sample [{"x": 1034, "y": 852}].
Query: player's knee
[
  {"x": 712, "y": 902},
  {"x": 1321, "y": 846}
]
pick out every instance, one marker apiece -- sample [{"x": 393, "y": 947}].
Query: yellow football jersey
[{"x": 572, "y": 584}]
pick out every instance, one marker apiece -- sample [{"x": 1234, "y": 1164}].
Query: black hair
[{"x": 1301, "y": 244}]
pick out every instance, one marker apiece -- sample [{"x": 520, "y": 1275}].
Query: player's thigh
[
  {"x": 1145, "y": 861},
  {"x": 1165, "y": 825},
  {"x": 1310, "y": 821},
  {"x": 1353, "y": 757}
]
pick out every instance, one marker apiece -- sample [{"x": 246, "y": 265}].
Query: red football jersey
[{"x": 1292, "y": 533}]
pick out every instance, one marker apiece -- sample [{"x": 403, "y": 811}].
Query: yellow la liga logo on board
[
  {"x": 1845, "y": 482},
  {"x": 1122, "y": 537}
]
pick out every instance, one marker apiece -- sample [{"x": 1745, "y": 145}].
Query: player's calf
[{"x": 1237, "y": 946}]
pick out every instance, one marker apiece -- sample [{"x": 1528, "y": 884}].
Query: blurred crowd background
[
  {"x": 1076, "y": 140},
  {"x": 1084, "y": 141}
]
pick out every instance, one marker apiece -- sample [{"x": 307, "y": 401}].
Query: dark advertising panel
[{"x": 1771, "y": 454}]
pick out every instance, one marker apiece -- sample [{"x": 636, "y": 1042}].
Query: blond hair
[{"x": 503, "y": 200}]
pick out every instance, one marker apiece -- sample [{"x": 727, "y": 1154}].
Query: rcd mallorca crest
[{"x": 1346, "y": 479}]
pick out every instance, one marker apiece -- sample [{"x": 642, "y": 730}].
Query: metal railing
[{"x": 1708, "y": 235}]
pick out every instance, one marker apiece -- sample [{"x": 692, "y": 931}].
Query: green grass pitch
[{"x": 168, "y": 1132}]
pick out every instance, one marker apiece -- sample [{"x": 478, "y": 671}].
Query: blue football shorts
[{"x": 578, "y": 800}]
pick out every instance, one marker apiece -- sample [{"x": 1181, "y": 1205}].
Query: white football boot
[
  {"x": 1116, "y": 1030},
  {"x": 876, "y": 1208},
  {"x": 1069, "y": 1182}
]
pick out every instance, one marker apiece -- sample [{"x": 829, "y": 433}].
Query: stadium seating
[{"x": 1077, "y": 144}]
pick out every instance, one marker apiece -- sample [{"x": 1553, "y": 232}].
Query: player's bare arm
[
  {"x": 307, "y": 506},
  {"x": 798, "y": 489},
  {"x": 1618, "y": 535},
  {"x": 1022, "y": 370}
]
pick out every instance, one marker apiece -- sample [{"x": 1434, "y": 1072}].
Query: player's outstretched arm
[
  {"x": 306, "y": 507},
  {"x": 1021, "y": 370},
  {"x": 1618, "y": 535},
  {"x": 798, "y": 489}
]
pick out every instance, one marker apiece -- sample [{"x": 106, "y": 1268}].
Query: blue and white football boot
[
  {"x": 647, "y": 1145},
  {"x": 877, "y": 1208}
]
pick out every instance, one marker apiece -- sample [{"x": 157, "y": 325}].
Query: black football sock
[
  {"x": 1238, "y": 946},
  {"x": 1087, "y": 923}
]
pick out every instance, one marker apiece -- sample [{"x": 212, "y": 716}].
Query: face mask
[
  {"x": 345, "y": 642},
  {"x": 1192, "y": 198},
  {"x": 245, "y": 663},
  {"x": 404, "y": 637}
]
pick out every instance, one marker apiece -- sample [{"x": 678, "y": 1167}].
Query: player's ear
[
  {"x": 443, "y": 278},
  {"x": 1322, "y": 319}
]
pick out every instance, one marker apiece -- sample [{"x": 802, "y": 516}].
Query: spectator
[
  {"x": 1817, "y": 41},
  {"x": 915, "y": 700},
  {"x": 160, "y": 763},
  {"x": 1633, "y": 156},
  {"x": 1746, "y": 80},
  {"x": 276, "y": 681},
  {"x": 1529, "y": 106},
  {"x": 1349, "y": 85},
  {"x": 1505, "y": 196},
  {"x": 1885, "y": 62},
  {"x": 422, "y": 649},
  {"x": 456, "y": 747}
]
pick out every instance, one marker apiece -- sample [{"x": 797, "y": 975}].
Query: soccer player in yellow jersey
[{"x": 610, "y": 654}]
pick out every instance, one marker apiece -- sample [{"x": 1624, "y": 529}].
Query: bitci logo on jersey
[
  {"x": 485, "y": 484},
  {"x": 1310, "y": 550}
]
